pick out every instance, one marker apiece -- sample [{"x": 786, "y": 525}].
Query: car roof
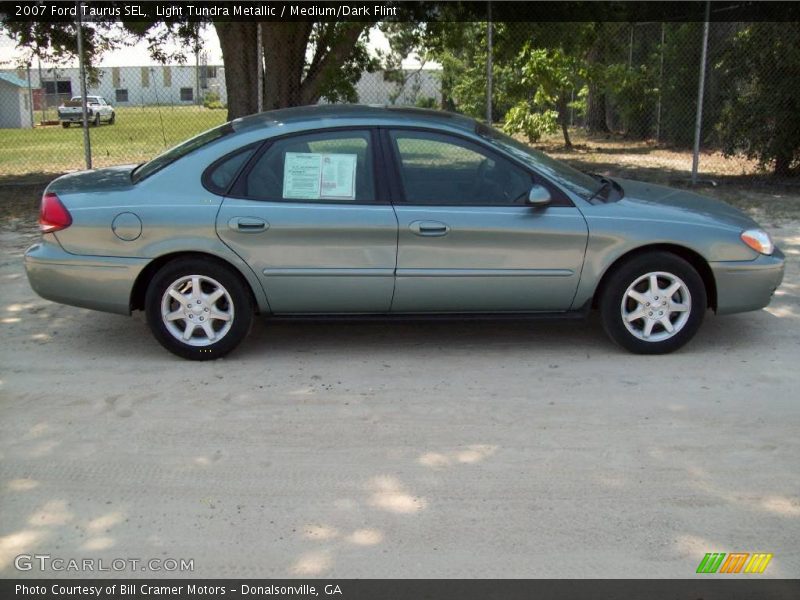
[{"x": 405, "y": 115}]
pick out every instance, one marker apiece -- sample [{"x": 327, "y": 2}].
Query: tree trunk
[
  {"x": 325, "y": 65},
  {"x": 783, "y": 163},
  {"x": 596, "y": 109},
  {"x": 284, "y": 59},
  {"x": 238, "y": 44},
  {"x": 596, "y": 99},
  {"x": 287, "y": 82},
  {"x": 563, "y": 118}
]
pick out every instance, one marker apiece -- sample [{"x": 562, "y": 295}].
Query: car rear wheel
[
  {"x": 112, "y": 119},
  {"x": 198, "y": 309},
  {"x": 653, "y": 303},
  {"x": 65, "y": 125},
  {"x": 96, "y": 121}
]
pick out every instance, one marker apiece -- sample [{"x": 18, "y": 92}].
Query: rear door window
[{"x": 328, "y": 166}]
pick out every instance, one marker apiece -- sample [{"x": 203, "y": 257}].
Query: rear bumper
[
  {"x": 95, "y": 282},
  {"x": 747, "y": 285}
]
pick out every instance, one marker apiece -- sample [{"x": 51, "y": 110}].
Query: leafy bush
[
  {"x": 426, "y": 102},
  {"x": 521, "y": 118},
  {"x": 213, "y": 101},
  {"x": 761, "y": 115}
]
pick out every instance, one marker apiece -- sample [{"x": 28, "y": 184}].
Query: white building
[
  {"x": 413, "y": 86},
  {"x": 176, "y": 85},
  {"x": 15, "y": 110},
  {"x": 134, "y": 86}
]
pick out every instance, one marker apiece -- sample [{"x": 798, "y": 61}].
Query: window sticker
[
  {"x": 316, "y": 176},
  {"x": 302, "y": 173}
]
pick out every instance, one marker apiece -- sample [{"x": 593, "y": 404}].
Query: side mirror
[{"x": 538, "y": 197}]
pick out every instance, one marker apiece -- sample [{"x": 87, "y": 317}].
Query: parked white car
[{"x": 99, "y": 111}]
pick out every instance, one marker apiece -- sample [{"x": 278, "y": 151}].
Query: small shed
[{"x": 15, "y": 111}]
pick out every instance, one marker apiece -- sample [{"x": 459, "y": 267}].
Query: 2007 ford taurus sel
[{"x": 358, "y": 211}]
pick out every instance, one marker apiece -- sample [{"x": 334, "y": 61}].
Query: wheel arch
[
  {"x": 145, "y": 276},
  {"x": 693, "y": 258}
]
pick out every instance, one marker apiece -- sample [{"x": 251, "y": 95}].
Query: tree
[
  {"x": 761, "y": 114},
  {"x": 550, "y": 77}
]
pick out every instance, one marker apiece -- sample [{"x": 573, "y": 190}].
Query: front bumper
[
  {"x": 747, "y": 285},
  {"x": 95, "y": 282}
]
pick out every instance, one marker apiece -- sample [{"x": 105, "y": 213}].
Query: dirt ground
[{"x": 399, "y": 450}]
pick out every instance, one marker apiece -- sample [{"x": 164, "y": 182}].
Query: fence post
[
  {"x": 42, "y": 89},
  {"x": 660, "y": 86},
  {"x": 197, "y": 65},
  {"x": 55, "y": 86},
  {"x": 489, "y": 50},
  {"x": 700, "y": 90},
  {"x": 260, "y": 63},
  {"x": 30, "y": 94},
  {"x": 87, "y": 143}
]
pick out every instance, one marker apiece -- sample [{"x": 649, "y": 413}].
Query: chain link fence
[{"x": 636, "y": 83}]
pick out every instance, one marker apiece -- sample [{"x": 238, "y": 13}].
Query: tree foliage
[{"x": 761, "y": 114}]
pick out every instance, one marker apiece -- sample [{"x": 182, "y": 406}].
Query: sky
[{"x": 138, "y": 55}]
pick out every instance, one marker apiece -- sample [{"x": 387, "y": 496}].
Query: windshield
[
  {"x": 170, "y": 156},
  {"x": 576, "y": 181}
]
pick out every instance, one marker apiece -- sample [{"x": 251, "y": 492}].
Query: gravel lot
[{"x": 400, "y": 449}]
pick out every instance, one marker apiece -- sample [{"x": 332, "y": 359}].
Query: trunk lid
[{"x": 98, "y": 180}]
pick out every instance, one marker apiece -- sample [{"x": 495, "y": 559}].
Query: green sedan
[{"x": 358, "y": 211}]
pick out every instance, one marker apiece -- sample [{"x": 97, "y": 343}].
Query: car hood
[
  {"x": 98, "y": 180},
  {"x": 662, "y": 202}
]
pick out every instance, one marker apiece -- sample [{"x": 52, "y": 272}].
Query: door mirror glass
[{"x": 539, "y": 196}]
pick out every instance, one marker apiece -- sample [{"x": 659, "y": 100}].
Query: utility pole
[
  {"x": 698, "y": 123},
  {"x": 87, "y": 143}
]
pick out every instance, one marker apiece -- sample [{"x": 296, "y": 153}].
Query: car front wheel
[
  {"x": 198, "y": 309},
  {"x": 653, "y": 303}
]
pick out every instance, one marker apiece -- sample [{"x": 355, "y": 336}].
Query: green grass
[{"x": 135, "y": 137}]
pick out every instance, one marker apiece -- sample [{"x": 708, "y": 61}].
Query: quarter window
[
  {"x": 331, "y": 166},
  {"x": 221, "y": 175},
  {"x": 440, "y": 169}
]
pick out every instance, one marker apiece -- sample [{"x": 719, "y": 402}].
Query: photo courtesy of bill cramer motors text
[{"x": 183, "y": 590}]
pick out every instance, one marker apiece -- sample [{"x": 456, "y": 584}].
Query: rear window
[{"x": 144, "y": 170}]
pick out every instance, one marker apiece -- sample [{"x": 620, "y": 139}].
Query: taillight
[{"x": 54, "y": 216}]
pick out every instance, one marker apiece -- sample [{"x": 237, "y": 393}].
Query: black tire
[
  {"x": 230, "y": 281},
  {"x": 65, "y": 125},
  {"x": 96, "y": 121},
  {"x": 113, "y": 118},
  {"x": 626, "y": 274}
]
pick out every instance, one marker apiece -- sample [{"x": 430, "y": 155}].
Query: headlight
[{"x": 758, "y": 240}]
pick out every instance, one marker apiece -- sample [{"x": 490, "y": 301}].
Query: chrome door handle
[
  {"x": 248, "y": 224},
  {"x": 429, "y": 228}
]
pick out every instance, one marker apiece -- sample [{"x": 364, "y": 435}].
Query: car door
[
  {"x": 314, "y": 223},
  {"x": 467, "y": 240}
]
